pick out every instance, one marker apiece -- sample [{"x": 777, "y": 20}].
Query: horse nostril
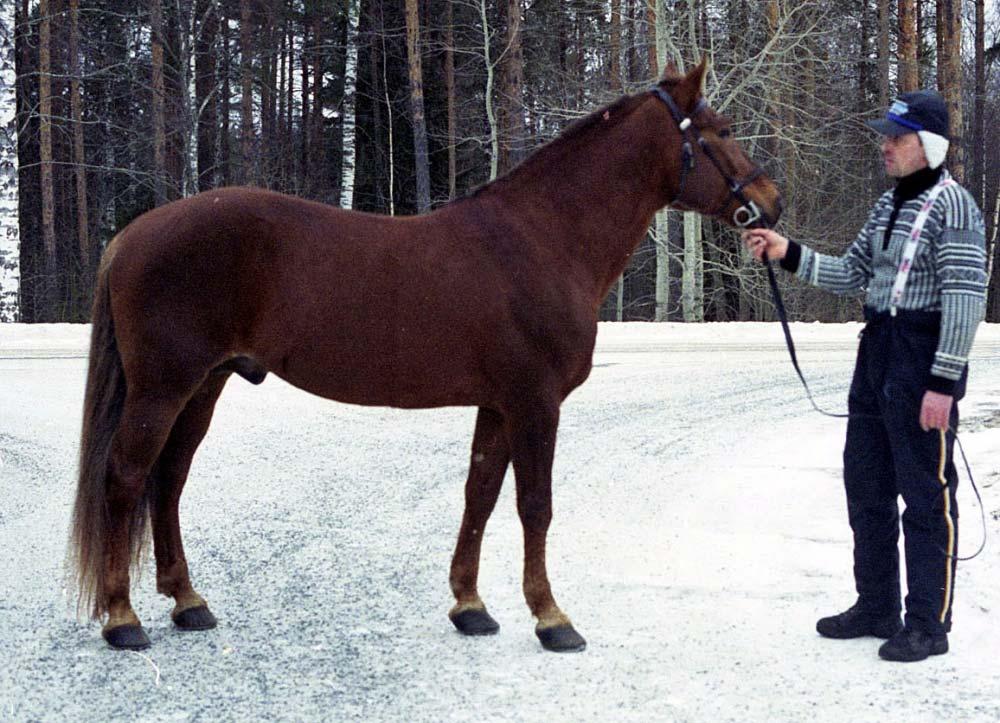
[{"x": 778, "y": 208}]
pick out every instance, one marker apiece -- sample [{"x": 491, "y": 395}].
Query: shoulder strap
[{"x": 910, "y": 250}]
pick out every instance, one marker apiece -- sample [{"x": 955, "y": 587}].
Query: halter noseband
[{"x": 748, "y": 212}]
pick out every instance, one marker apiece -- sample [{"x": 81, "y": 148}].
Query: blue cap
[{"x": 922, "y": 110}]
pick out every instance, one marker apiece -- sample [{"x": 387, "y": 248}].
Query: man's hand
[
  {"x": 935, "y": 411},
  {"x": 761, "y": 240}
]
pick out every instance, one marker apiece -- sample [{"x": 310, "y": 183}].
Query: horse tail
[{"x": 102, "y": 409}]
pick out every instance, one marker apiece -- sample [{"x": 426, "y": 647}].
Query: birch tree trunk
[
  {"x": 420, "y": 154},
  {"x": 661, "y": 234},
  {"x": 79, "y": 155},
  {"x": 618, "y": 85},
  {"x": 45, "y": 143},
  {"x": 350, "y": 104},
  {"x": 490, "y": 114},
  {"x": 692, "y": 300}
]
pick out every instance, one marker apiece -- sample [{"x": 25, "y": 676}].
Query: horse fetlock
[{"x": 552, "y": 618}]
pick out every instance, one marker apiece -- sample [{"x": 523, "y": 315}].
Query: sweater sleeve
[
  {"x": 960, "y": 257},
  {"x": 841, "y": 274}
]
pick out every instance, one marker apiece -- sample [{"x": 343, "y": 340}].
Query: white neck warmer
[{"x": 935, "y": 147}]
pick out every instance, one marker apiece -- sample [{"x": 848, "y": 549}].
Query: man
[{"x": 924, "y": 276}]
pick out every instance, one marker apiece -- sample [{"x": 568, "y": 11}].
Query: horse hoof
[
  {"x": 475, "y": 622},
  {"x": 127, "y": 637},
  {"x": 196, "y": 618},
  {"x": 561, "y": 639}
]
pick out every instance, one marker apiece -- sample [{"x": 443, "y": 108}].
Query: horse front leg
[
  {"x": 533, "y": 440},
  {"x": 490, "y": 457}
]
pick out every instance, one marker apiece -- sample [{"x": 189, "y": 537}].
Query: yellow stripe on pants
[{"x": 951, "y": 531}]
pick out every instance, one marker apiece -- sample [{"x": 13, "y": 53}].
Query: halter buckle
[{"x": 746, "y": 215}]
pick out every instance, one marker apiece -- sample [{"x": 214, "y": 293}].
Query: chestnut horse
[{"x": 490, "y": 301}]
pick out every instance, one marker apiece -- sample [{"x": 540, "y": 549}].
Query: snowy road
[{"x": 699, "y": 531}]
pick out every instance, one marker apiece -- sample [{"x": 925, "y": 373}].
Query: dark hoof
[
  {"x": 127, "y": 637},
  {"x": 561, "y": 639},
  {"x": 475, "y": 622},
  {"x": 198, "y": 618}
]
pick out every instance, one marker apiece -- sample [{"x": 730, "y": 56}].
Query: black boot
[
  {"x": 857, "y": 623},
  {"x": 909, "y": 646}
]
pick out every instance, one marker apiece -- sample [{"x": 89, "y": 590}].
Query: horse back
[{"x": 452, "y": 307}]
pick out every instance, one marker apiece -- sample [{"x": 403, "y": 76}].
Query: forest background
[{"x": 113, "y": 107}]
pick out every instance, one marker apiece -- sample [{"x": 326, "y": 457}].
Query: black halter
[{"x": 749, "y": 212}]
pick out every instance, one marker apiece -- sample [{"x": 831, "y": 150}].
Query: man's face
[{"x": 903, "y": 155}]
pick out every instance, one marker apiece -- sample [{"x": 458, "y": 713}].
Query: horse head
[{"x": 714, "y": 175}]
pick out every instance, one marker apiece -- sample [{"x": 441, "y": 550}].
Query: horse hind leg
[
  {"x": 143, "y": 429},
  {"x": 170, "y": 472},
  {"x": 533, "y": 438},
  {"x": 490, "y": 457}
]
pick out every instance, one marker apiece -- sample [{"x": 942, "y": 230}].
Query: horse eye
[{"x": 724, "y": 133}]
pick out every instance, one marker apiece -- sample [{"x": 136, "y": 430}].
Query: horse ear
[
  {"x": 696, "y": 76},
  {"x": 670, "y": 72},
  {"x": 690, "y": 85}
]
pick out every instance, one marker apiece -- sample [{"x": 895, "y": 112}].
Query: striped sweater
[{"x": 948, "y": 273}]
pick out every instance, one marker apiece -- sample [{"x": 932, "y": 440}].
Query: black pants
[{"x": 887, "y": 454}]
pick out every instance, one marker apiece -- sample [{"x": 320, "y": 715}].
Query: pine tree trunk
[
  {"x": 421, "y": 159},
  {"x": 979, "y": 108},
  {"x": 247, "y": 165},
  {"x": 159, "y": 93},
  {"x": 883, "y": 54},
  {"x": 950, "y": 79},
  {"x": 908, "y": 74},
  {"x": 449, "y": 84},
  {"x": 79, "y": 155},
  {"x": 45, "y": 142},
  {"x": 512, "y": 91},
  {"x": 205, "y": 86},
  {"x": 305, "y": 149},
  {"x": 225, "y": 145}
]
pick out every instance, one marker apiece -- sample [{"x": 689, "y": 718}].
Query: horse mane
[{"x": 577, "y": 133}]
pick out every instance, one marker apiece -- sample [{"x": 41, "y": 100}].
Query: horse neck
[{"x": 594, "y": 199}]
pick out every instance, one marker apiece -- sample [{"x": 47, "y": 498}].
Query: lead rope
[{"x": 783, "y": 317}]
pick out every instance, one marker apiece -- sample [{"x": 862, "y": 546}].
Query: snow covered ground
[{"x": 699, "y": 531}]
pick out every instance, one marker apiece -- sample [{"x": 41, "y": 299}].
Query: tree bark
[
  {"x": 979, "y": 108},
  {"x": 421, "y": 158},
  {"x": 491, "y": 118},
  {"x": 205, "y": 86},
  {"x": 883, "y": 54},
  {"x": 950, "y": 79},
  {"x": 225, "y": 146},
  {"x": 247, "y": 165},
  {"x": 45, "y": 154},
  {"x": 449, "y": 84},
  {"x": 908, "y": 75},
  {"x": 512, "y": 91},
  {"x": 79, "y": 154},
  {"x": 159, "y": 97}
]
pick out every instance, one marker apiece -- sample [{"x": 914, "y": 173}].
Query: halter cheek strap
[{"x": 748, "y": 212}]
